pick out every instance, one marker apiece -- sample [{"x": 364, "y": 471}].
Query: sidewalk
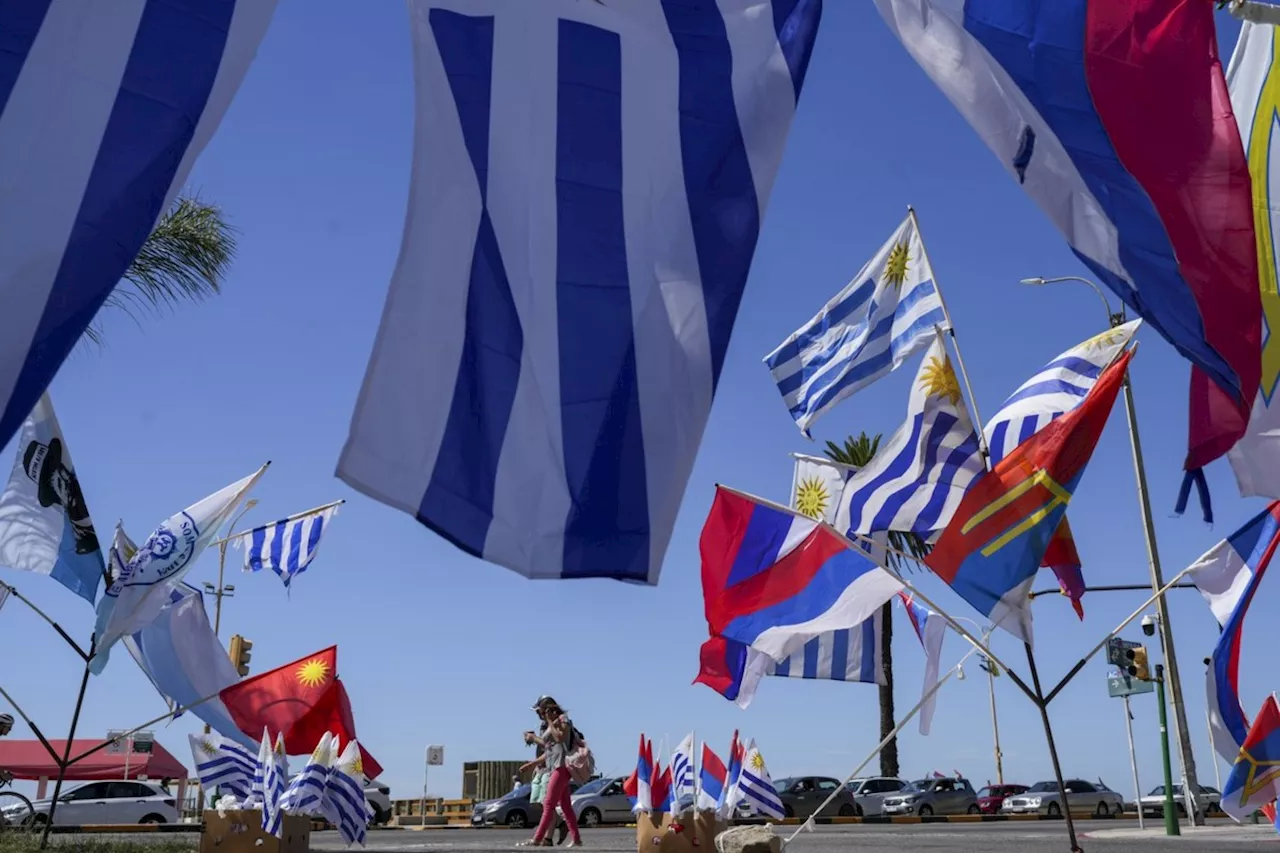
[{"x": 1247, "y": 832}]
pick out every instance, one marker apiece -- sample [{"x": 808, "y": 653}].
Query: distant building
[{"x": 488, "y": 780}]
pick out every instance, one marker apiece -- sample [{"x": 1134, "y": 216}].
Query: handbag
[{"x": 579, "y": 760}]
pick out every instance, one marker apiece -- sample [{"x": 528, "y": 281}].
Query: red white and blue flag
[
  {"x": 1255, "y": 776},
  {"x": 930, "y": 629},
  {"x": 773, "y": 579},
  {"x": 639, "y": 786},
  {"x": 712, "y": 778},
  {"x": 1114, "y": 116},
  {"x": 731, "y": 796},
  {"x": 1227, "y": 576},
  {"x": 991, "y": 550}
]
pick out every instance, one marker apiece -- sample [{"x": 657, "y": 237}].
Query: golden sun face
[
  {"x": 313, "y": 673},
  {"x": 812, "y": 497},
  {"x": 939, "y": 380},
  {"x": 757, "y": 761},
  {"x": 208, "y": 748},
  {"x": 895, "y": 269},
  {"x": 1109, "y": 338}
]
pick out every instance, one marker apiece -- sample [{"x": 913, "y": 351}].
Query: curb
[{"x": 129, "y": 829}]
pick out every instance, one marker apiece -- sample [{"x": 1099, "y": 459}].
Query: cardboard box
[
  {"x": 241, "y": 832},
  {"x": 693, "y": 833}
]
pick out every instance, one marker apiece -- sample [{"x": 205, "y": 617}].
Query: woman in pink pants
[{"x": 557, "y": 742}]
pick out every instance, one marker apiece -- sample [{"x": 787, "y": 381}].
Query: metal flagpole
[{"x": 1133, "y": 761}]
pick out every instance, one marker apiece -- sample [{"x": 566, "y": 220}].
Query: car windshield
[
  {"x": 592, "y": 787},
  {"x": 1158, "y": 791},
  {"x": 783, "y": 784},
  {"x": 1043, "y": 788},
  {"x": 920, "y": 786}
]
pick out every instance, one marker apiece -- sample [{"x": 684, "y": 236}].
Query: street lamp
[
  {"x": 992, "y": 670},
  {"x": 1153, "y": 559}
]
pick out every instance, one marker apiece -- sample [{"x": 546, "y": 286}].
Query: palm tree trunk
[{"x": 888, "y": 755}]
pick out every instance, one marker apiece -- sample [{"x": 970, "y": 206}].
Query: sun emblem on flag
[
  {"x": 357, "y": 765},
  {"x": 812, "y": 497},
  {"x": 757, "y": 761},
  {"x": 313, "y": 673},
  {"x": 895, "y": 268},
  {"x": 208, "y": 747},
  {"x": 939, "y": 380},
  {"x": 1109, "y": 338}
]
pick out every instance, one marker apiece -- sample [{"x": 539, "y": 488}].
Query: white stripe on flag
[{"x": 852, "y": 654}]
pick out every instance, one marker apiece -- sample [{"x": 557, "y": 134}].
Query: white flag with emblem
[{"x": 817, "y": 485}]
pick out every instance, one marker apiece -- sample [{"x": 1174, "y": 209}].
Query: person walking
[
  {"x": 538, "y": 784},
  {"x": 557, "y": 741}
]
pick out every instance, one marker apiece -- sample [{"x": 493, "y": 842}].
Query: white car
[
  {"x": 1044, "y": 798},
  {"x": 1153, "y": 803},
  {"x": 379, "y": 796},
  {"x": 107, "y": 803}
]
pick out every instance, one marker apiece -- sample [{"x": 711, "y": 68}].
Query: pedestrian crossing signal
[{"x": 1137, "y": 663}]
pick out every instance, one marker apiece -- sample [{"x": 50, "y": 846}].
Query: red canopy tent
[{"x": 28, "y": 759}]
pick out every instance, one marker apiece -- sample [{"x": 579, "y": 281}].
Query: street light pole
[
  {"x": 1181, "y": 731},
  {"x": 227, "y": 590},
  {"x": 992, "y": 670}
]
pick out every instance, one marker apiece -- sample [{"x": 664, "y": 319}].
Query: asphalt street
[{"x": 939, "y": 838}]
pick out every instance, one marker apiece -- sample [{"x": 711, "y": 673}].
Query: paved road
[{"x": 936, "y": 838}]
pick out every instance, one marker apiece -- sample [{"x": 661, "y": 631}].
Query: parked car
[
  {"x": 107, "y": 802},
  {"x": 802, "y": 795},
  {"x": 379, "y": 796},
  {"x": 992, "y": 797},
  {"x": 940, "y": 795},
  {"x": 1210, "y": 800},
  {"x": 869, "y": 793},
  {"x": 1082, "y": 796},
  {"x": 511, "y": 809},
  {"x": 602, "y": 801}
]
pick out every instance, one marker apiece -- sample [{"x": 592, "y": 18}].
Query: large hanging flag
[
  {"x": 756, "y": 787},
  {"x": 1124, "y": 135},
  {"x": 185, "y": 661},
  {"x": 816, "y": 486},
  {"x": 886, "y": 313},
  {"x": 1227, "y": 576},
  {"x": 44, "y": 522},
  {"x": 224, "y": 764},
  {"x": 853, "y": 654},
  {"x": 990, "y": 552},
  {"x": 588, "y": 187},
  {"x": 104, "y": 108},
  {"x": 930, "y": 630},
  {"x": 916, "y": 480},
  {"x": 287, "y": 546},
  {"x": 773, "y": 579},
  {"x": 1254, "y": 79},
  {"x": 141, "y": 590},
  {"x": 1255, "y": 775},
  {"x": 1054, "y": 390}
]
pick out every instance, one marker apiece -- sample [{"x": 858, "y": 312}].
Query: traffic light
[
  {"x": 1137, "y": 667},
  {"x": 240, "y": 649}
]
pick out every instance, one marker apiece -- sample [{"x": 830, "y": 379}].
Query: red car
[{"x": 992, "y": 797}]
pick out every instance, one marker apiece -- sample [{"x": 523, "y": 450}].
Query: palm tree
[
  {"x": 858, "y": 453},
  {"x": 186, "y": 257}
]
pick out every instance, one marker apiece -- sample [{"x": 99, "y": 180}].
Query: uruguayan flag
[
  {"x": 816, "y": 486},
  {"x": 288, "y": 546},
  {"x": 918, "y": 477},
  {"x": 224, "y": 764},
  {"x": 1059, "y": 387},
  {"x": 344, "y": 792},
  {"x": 682, "y": 784},
  {"x": 882, "y": 316},
  {"x": 756, "y": 788},
  {"x": 103, "y": 109},
  {"x": 853, "y": 654},
  {"x": 275, "y": 775},
  {"x": 305, "y": 794},
  {"x": 588, "y": 186}
]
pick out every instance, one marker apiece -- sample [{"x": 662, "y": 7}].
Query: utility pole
[
  {"x": 1182, "y": 732},
  {"x": 1170, "y": 815}
]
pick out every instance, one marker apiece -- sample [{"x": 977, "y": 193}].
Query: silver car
[
  {"x": 602, "y": 801},
  {"x": 1210, "y": 800},
  {"x": 869, "y": 793},
  {"x": 925, "y": 797},
  {"x": 1043, "y": 798}
]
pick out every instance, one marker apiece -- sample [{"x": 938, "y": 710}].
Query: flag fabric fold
[
  {"x": 882, "y": 316},
  {"x": 104, "y": 108},
  {"x": 286, "y": 547},
  {"x": 1123, "y": 134},
  {"x": 918, "y": 477},
  {"x": 549, "y": 329},
  {"x": 305, "y": 794},
  {"x": 224, "y": 764},
  {"x": 990, "y": 552},
  {"x": 344, "y": 793},
  {"x": 44, "y": 521},
  {"x": 1255, "y": 773},
  {"x": 1227, "y": 576},
  {"x": 930, "y": 629},
  {"x": 141, "y": 590}
]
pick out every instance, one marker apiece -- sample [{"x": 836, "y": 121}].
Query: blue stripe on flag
[
  {"x": 295, "y": 550},
  {"x": 277, "y": 542},
  {"x": 840, "y": 642},
  {"x": 810, "y": 652},
  {"x": 927, "y": 518},
  {"x": 1054, "y": 385},
  {"x": 783, "y": 669},
  {"x": 899, "y": 466},
  {"x": 906, "y": 460},
  {"x": 867, "y": 671},
  {"x": 1075, "y": 364},
  {"x": 835, "y": 315},
  {"x": 489, "y": 370},
  {"x": 723, "y": 208},
  {"x": 1028, "y": 428},
  {"x": 19, "y": 24},
  {"x": 766, "y": 532},
  {"x": 603, "y": 435},
  {"x": 795, "y": 22},
  {"x": 171, "y": 68}
]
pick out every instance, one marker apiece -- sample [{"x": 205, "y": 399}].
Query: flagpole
[
  {"x": 64, "y": 763},
  {"x": 294, "y": 517}
]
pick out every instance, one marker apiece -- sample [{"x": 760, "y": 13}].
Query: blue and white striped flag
[
  {"x": 882, "y": 316},
  {"x": 103, "y": 109},
  {"x": 222, "y": 763},
  {"x": 305, "y": 795},
  {"x": 287, "y": 546},
  {"x": 1056, "y": 389},
  {"x": 853, "y": 654},
  {"x": 588, "y": 186},
  {"x": 682, "y": 782},
  {"x": 275, "y": 775},
  {"x": 346, "y": 802},
  {"x": 917, "y": 479},
  {"x": 755, "y": 787}
]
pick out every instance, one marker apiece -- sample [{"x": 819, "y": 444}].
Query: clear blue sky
[{"x": 312, "y": 166}]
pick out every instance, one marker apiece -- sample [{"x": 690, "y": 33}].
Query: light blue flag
[
  {"x": 44, "y": 522},
  {"x": 183, "y": 658},
  {"x": 884, "y": 314},
  {"x": 138, "y": 594}
]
